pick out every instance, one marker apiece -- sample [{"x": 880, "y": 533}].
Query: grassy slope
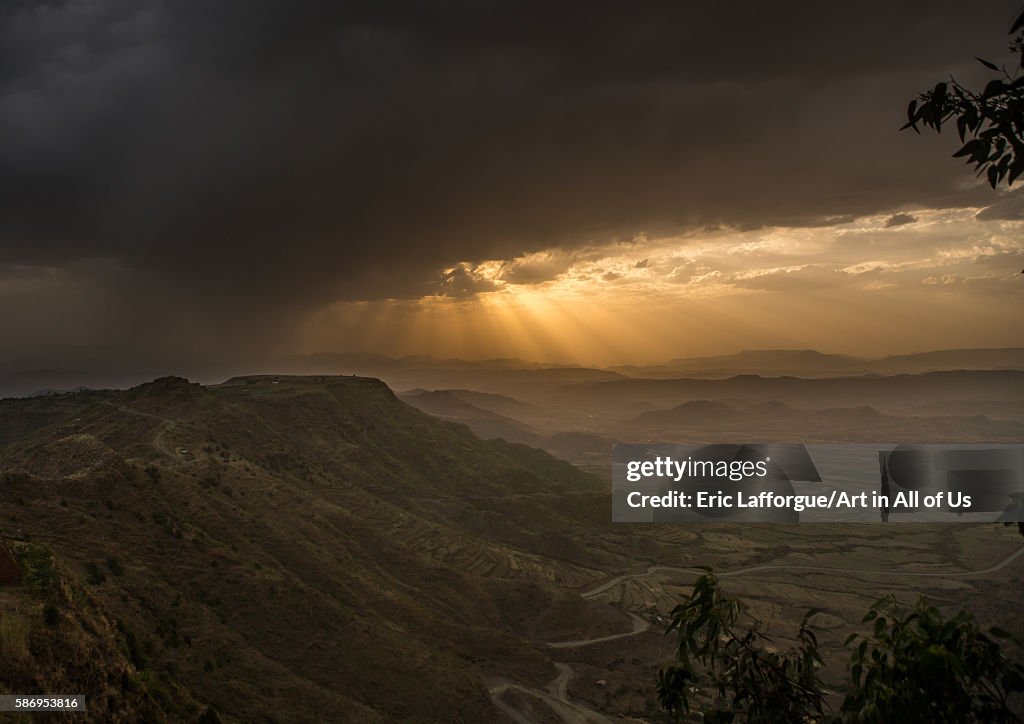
[{"x": 314, "y": 547}]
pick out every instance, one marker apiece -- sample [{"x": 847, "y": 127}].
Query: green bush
[
  {"x": 210, "y": 716},
  {"x": 721, "y": 654},
  {"x": 14, "y": 637},
  {"x": 914, "y": 666},
  {"x": 93, "y": 575},
  {"x": 37, "y": 567},
  {"x": 917, "y": 666},
  {"x": 51, "y": 614}
]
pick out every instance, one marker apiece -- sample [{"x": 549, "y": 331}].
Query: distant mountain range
[
  {"x": 904, "y": 390},
  {"x": 500, "y": 404},
  {"x": 486, "y": 424},
  {"x": 704, "y": 419},
  {"x": 810, "y": 363},
  {"x": 531, "y": 381},
  {"x": 585, "y": 449},
  {"x": 764, "y": 362}
]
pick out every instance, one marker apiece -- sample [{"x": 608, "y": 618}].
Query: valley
[{"x": 315, "y": 546}]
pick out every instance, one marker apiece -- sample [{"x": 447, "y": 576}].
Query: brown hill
[
  {"x": 697, "y": 412},
  {"x": 311, "y": 546},
  {"x": 879, "y": 392},
  {"x": 486, "y": 424}
]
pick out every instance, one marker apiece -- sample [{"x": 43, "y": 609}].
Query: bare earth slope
[
  {"x": 313, "y": 549},
  {"x": 310, "y": 547}
]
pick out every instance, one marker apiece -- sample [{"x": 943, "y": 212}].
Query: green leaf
[
  {"x": 1016, "y": 169},
  {"x": 1013, "y": 680},
  {"x": 993, "y": 88},
  {"x": 993, "y": 176},
  {"x": 990, "y": 66}
]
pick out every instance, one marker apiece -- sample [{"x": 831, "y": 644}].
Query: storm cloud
[{"x": 250, "y": 160}]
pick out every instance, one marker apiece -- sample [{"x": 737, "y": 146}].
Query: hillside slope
[{"x": 312, "y": 547}]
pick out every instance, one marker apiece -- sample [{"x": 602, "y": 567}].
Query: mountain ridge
[{"x": 281, "y": 541}]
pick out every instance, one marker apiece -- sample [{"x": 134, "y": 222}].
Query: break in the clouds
[
  {"x": 867, "y": 254},
  {"x": 863, "y": 287},
  {"x": 204, "y": 177}
]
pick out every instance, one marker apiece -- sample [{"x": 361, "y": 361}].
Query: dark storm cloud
[
  {"x": 899, "y": 220},
  {"x": 287, "y": 154},
  {"x": 544, "y": 267},
  {"x": 459, "y": 283}
]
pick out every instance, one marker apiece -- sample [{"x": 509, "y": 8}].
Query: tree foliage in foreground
[
  {"x": 918, "y": 666},
  {"x": 913, "y": 666},
  {"x": 989, "y": 122},
  {"x": 722, "y": 652}
]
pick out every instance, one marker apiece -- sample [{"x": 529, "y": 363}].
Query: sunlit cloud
[
  {"x": 854, "y": 286},
  {"x": 724, "y": 261}
]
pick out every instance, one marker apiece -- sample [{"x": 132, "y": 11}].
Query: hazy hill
[
  {"x": 768, "y": 415},
  {"x": 516, "y": 378},
  {"x": 882, "y": 392},
  {"x": 443, "y": 403},
  {"x": 312, "y": 546},
  {"x": 522, "y": 379},
  {"x": 952, "y": 359},
  {"x": 810, "y": 363},
  {"x": 1010, "y": 409},
  {"x": 779, "y": 361},
  {"x": 485, "y": 424},
  {"x": 372, "y": 361},
  {"x": 506, "y": 376},
  {"x": 773, "y": 408},
  {"x": 776, "y": 421},
  {"x": 502, "y": 404},
  {"x": 23, "y": 383},
  {"x": 700, "y": 412}
]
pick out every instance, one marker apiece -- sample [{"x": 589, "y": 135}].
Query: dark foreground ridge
[{"x": 291, "y": 545}]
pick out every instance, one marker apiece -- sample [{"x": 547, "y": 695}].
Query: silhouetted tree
[
  {"x": 990, "y": 122},
  {"x": 914, "y": 666},
  {"x": 917, "y": 666},
  {"x": 210, "y": 716},
  {"x": 726, "y": 670}
]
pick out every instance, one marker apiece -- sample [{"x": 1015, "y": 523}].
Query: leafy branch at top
[{"x": 990, "y": 122}]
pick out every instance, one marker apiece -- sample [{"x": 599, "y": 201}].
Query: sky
[{"x": 597, "y": 183}]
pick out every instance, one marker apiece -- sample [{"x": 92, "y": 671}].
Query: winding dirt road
[
  {"x": 158, "y": 440},
  {"x": 558, "y": 702},
  {"x": 639, "y": 626},
  {"x": 604, "y": 587}
]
